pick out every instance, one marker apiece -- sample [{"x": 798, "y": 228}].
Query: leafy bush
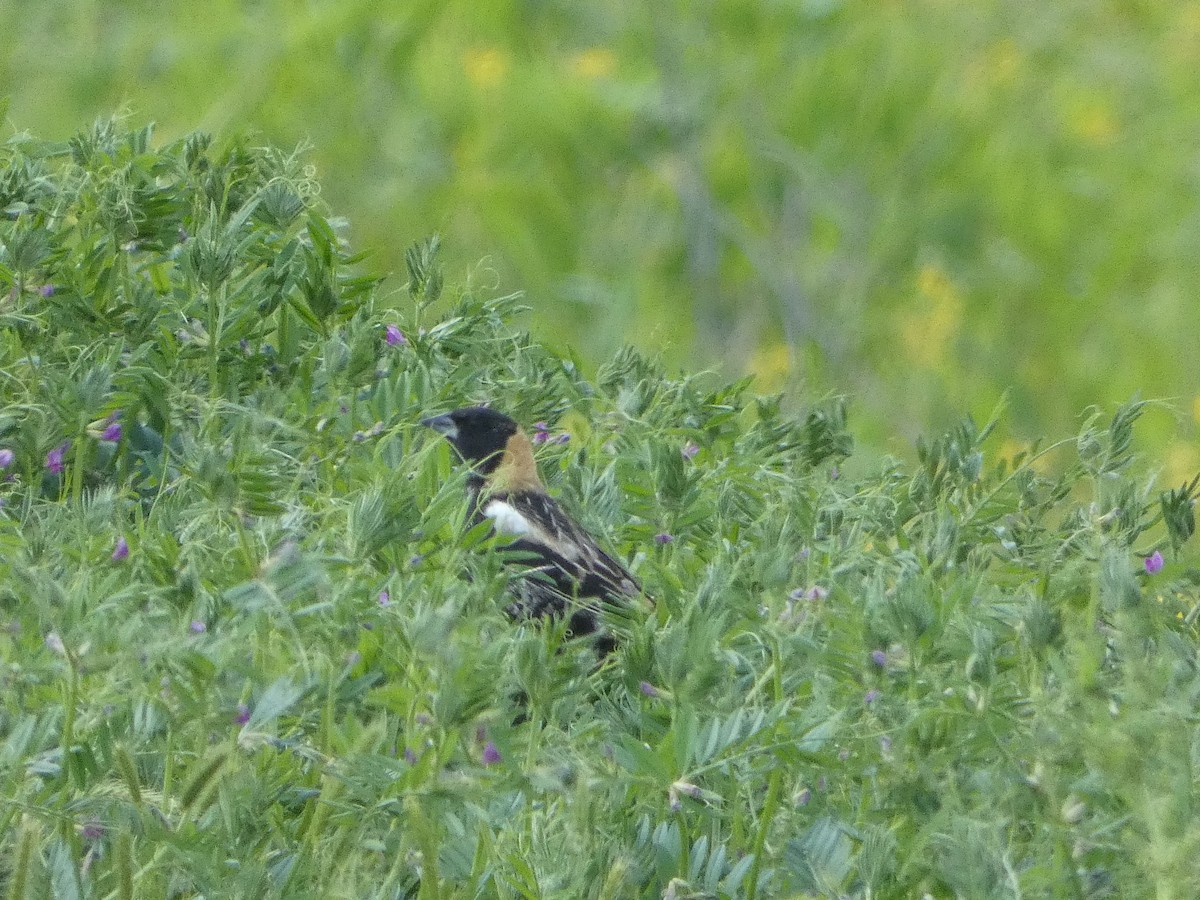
[{"x": 250, "y": 650}]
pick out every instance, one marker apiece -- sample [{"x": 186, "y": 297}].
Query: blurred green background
[{"x": 921, "y": 204}]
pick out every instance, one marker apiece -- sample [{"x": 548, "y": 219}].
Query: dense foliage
[{"x": 250, "y": 651}]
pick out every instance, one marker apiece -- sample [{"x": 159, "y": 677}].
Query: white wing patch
[{"x": 506, "y": 518}]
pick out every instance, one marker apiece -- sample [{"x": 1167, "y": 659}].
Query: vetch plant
[{"x": 970, "y": 676}]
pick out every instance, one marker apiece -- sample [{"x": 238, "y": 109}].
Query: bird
[{"x": 566, "y": 573}]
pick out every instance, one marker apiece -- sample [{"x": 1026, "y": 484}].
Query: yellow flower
[
  {"x": 1183, "y": 40},
  {"x": 485, "y": 66},
  {"x": 1004, "y": 58},
  {"x": 771, "y": 365},
  {"x": 593, "y": 63},
  {"x": 926, "y": 331},
  {"x": 1094, "y": 122},
  {"x": 1183, "y": 459},
  {"x": 1011, "y": 447}
]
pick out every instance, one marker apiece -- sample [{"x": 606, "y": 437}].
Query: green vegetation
[
  {"x": 249, "y": 650},
  {"x": 921, "y": 204}
]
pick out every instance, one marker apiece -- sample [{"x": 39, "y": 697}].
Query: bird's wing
[{"x": 558, "y": 546}]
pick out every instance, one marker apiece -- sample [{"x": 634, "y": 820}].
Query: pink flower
[{"x": 1154, "y": 563}]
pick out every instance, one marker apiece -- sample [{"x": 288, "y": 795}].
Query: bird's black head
[{"x": 478, "y": 434}]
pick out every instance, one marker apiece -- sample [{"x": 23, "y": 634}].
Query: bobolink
[{"x": 567, "y": 574}]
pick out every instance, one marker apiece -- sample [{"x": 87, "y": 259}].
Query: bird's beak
[{"x": 443, "y": 425}]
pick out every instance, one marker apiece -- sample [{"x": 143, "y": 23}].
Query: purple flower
[
  {"x": 844, "y": 754},
  {"x": 243, "y": 714},
  {"x": 54, "y": 459},
  {"x": 121, "y": 550},
  {"x": 540, "y": 437},
  {"x": 1154, "y": 563},
  {"x": 46, "y": 290},
  {"x": 385, "y": 599},
  {"x": 410, "y": 756},
  {"x": 92, "y": 831},
  {"x": 55, "y": 643},
  {"x": 879, "y": 658},
  {"x": 871, "y": 696},
  {"x": 394, "y": 336},
  {"x": 803, "y": 798},
  {"x": 112, "y": 432},
  {"x": 690, "y": 449},
  {"x": 197, "y": 627},
  {"x": 648, "y": 689},
  {"x": 687, "y": 788},
  {"x": 562, "y": 438},
  {"x": 662, "y": 538},
  {"x": 491, "y": 755},
  {"x": 816, "y": 592},
  {"x": 6, "y": 458}
]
